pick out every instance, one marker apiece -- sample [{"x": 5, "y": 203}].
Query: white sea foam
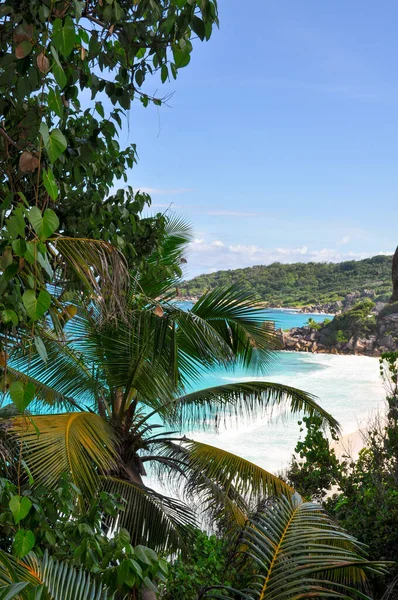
[{"x": 349, "y": 387}]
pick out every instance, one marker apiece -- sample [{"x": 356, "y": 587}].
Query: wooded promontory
[{"x": 321, "y": 286}]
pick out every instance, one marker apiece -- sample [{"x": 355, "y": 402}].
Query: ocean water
[{"x": 349, "y": 387}]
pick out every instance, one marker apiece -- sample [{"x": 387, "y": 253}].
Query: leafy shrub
[
  {"x": 51, "y": 522},
  {"x": 366, "y": 500},
  {"x": 204, "y": 566},
  {"x": 341, "y": 337}
]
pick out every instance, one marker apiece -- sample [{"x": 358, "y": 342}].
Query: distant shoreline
[{"x": 305, "y": 309}]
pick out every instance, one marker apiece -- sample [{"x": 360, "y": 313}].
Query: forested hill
[{"x": 304, "y": 283}]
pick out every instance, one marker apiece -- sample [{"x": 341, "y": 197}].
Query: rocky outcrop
[
  {"x": 329, "y": 308},
  {"x": 307, "y": 339},
  {"x": 340, "y": 306}
]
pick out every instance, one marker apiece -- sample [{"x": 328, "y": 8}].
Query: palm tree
[
  {"x": 291, "y": 550},
  {"x": 47, "y": 579},
  {"x": 122, "y": 382}
]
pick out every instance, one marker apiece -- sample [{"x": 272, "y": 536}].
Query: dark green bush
[{"x": 205, "y": 566}]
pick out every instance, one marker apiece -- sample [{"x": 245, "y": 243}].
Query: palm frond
[
  {"x": 64, "y": 381},
  {"x": 151, "y": 519},
  {"x": 80, "y": 444},
  {"x": 236, "y": 313},
  {"x": 51, "y": 579},
  {"x": 132, "y": 352},
  {"x": 250, "y": 481},
  {"x": 44, "y": 394},
  {"x": 164, "y": 272},
  {"x": 223, "y": 485},
  {"x": 12, "y": 590},
  {"x": 292, "y": 549},
  {"x": 248, "y": 399},
  {"x": 99, "y": 267}
]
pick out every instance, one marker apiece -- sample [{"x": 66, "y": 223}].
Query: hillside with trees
[{"x": 301, "y": 284}]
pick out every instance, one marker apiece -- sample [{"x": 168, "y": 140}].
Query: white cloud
[
  {"x": 289, "y": 251},
  {"x": 209, "y": 256}
]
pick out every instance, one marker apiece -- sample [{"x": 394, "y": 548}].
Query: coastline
[
  {"x": 304, "y": 309},
  {"x": 350, "y": 388}
]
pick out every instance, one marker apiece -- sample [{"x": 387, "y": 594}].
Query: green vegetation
[
  {"x": 301, "y": 284},
  {"x": 58, "y": 529},
  {"x": 356, "y": 322},
  {"x": 69, "y": 74},
  {"x": 96, "y": 356},
  {"x": 366, "y": 502},
  {"x": 292, "y": 549},
  {"x": 204, "y": 566}
]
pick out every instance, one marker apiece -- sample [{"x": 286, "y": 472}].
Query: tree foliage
[
  {"x": 366, "y": 500},
  {"x": 292, "y": 549},
  {"x": 304, "y": 283},
  {"x": 69, "y": 72},
  {"x": 65, "y": 540}
]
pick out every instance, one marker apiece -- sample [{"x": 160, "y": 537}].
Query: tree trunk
[
  {"x": 394, "y": 297},
  {"x": 147, "y": 594}
]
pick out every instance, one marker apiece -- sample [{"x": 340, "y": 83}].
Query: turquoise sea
[{"x": 347, "y": 386}]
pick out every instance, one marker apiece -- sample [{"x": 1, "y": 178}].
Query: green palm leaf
[
  {"x": 47, "y": 579},
  {"x": 292, "y": 550},
  {"x": 163, "y": 270},
  {"x": 236, "y": 313},
  {"x": 12, "y": 590},
  {"x": 225, "y": 485},
  {"x": 208, "y": 407},
  {"x": 80, "y": 444},
  {"x": 64, "y": 382},
  {"x": 98, "y": 266},
  {"x": 151, "y": 519}
]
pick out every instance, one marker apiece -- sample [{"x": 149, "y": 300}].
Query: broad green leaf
[
  {"x": 22, "y": 395},
  {"x": 44, "y": 132},
  {"x": 55, "y": 145},
  {"x": 50, "y": 184},
  {"x": 23, "y": 542},
  {"x": 55, "y": 102},
  {"x": 31, "y": 253},
  {"x": 36, "y": 307},
  {"x": 20, "y": 507},
  {"x": 181, "y": 57},
  {"x": 140, "y": 552},
  {"x": 45, "y": 263},
  {"x": 139, "y": 77},
  {"x": 44, "y": 225},
  {"x": 60, "y": 76},
  {"x": 41, "y": 349},
  {"x": 198, "y": 27},
  {"x": 19, "y": 247},
  {"x": 9, "y": 316},
  {"x": 79, "y": 6},
  {"x": 118, "y": 11},
  {"x": 137, "y": 567},
  {"x": 16, "y": 223},
  {"x": 100, "y": 109},
  {"x": 63, "y": 37}
]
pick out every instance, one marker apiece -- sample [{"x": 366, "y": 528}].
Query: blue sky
[{"x": 280, "y": 140}]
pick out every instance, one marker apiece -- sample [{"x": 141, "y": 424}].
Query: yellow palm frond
[{"x": 80, "y": 444}]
